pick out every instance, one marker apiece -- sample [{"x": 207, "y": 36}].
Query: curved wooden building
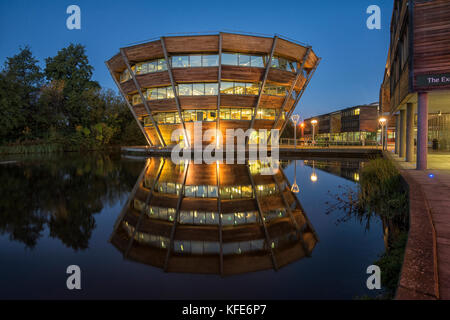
[
  {"x": 212, "y": 219},
  {"x": 225, "y": 80}
]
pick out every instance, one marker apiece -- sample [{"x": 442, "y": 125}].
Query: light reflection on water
[{"x": 232, "y": 232}]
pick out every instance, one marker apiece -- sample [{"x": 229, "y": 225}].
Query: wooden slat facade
[
  {"x": 423, "y": 29},
  {"x": 209, "y": 44}
]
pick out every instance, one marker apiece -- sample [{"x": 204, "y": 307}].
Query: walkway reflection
[{"x": 212, "y": 219}]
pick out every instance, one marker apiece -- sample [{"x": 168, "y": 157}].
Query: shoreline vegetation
[
  {"x": 381, "y": 194},
  {"x": 59, "y": 108}
]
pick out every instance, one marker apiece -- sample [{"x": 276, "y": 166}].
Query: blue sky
[{"x": 353, "y": 57}]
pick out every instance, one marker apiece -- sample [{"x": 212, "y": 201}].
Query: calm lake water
[{"x": 115, "y": 216}]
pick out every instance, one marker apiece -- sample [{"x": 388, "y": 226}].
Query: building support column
[
  {"x": 402, "y": 147},
  {"x": 397, "y": 134},
  {"x": 422, "y": 130},
  {"x": 409, "y": 132}
]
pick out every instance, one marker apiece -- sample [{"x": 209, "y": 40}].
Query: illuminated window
[
  {"x": 227, "y": 87},
  {"x": 162, "y": 93},
  {"x": 239, "y": 88},
  {"x": 235, "y": 114},
  {"x": 252, "y": 89},
  {"x": 246, "y": 114}
]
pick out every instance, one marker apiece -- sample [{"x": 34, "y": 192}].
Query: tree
[
  {"x": 71, "y": 65},
  {"x": 20, "y": 82}
]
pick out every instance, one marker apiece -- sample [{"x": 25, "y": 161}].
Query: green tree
[
  {"x": 71, "y": 66},
  {"x": 20, "y": 82}
]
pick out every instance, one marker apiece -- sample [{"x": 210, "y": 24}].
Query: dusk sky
[{"x": 353, "y": 57}]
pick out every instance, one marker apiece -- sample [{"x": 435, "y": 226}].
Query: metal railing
[{"x": 301, "y": 143}]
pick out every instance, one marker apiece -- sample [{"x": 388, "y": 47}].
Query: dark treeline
[{"x": 60, "y": 105}]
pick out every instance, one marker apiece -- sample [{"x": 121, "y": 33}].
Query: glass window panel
[
  {"x": 152, "y": 66},
  {"x": 292, "y": 66},
  {"x": 212, "y": 218},
  {"x": 239, "y": 88},
  {"x": 144, "y": 68},
  {"x": 189, "y": 191},
  {"x": 246, "y": 191},
  {"x": 227, "y": 87},
  {"x": 162, "y": 93},
  {"x": 199, "y": 217},
  {"x": 211, "y": 247},
  {"x": 275, "y": 63},
  {"x": 228, "y": 219},
  {"x": 211, "y": 89},
  {"x": 246, "y": 114},
  {"x": 252, "y": 88},
  {"x": 198, "y": 89},
  {"x": 201, "y": 115},
  {"x": 202, "y": 192},
  {"x": 230, "y": 59},
  {"x": 185, "y": 89},
  {"x": 196, "y": 247},
  {"x": 180, "y": 61},
  {"x": 269, "y": 114},
  {"x": 170, "y": 94},
  {"x": 170, "y": 117},
  {"x": 210, "y": 60},
  {"x": 195, "y": 60},
  {"x": 257, "y": 61},
  {"x": 188, "y": 115},
  {"x": 211, "y": 115},
  {"x": 244, "y": 60},
  {"x": 236, "y": 114},
  {"x": 162, "y": 65},
  {"x": 283, "y": 63},
  {"x": 138, "y": 69},
  {"x": 271, "y": 90},
  {"x": 225, "y": 114},
  {"x": 152, "y": 94},
  {"x": 212, "y": 191}
]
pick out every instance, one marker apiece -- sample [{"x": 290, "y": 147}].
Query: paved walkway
[{"x": 426, "y": 267}]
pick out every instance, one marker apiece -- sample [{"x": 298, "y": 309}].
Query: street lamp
[
  {"x": 314, "y": 123},
  {"x": 295, "y": 118},
  {"x": 302, "y": 126},
  {"x": 382, "y": 121}
]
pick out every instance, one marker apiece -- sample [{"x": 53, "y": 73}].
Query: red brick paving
[{"x": 426, "y": 267}]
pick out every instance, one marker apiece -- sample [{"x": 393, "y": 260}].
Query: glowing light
[
  {"x": 314, "y": 121},
  {"x": 313, "y": 177},
  {"x": 302, "y": 124},
  {"x": 431, "y": 175},
  {"x": 382, "y": 120}
]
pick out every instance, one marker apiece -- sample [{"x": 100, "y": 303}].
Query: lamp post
[
  {"x": 295, "y": 118},
  {"x": 314, "y": 123},
  {"x": 383, "y": 121},
  {"x": 302, "y": 126}
]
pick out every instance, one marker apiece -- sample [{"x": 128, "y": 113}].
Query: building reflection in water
[
  {"x": 348, "y": 169},
  {"x": 212, "y": 219}
]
